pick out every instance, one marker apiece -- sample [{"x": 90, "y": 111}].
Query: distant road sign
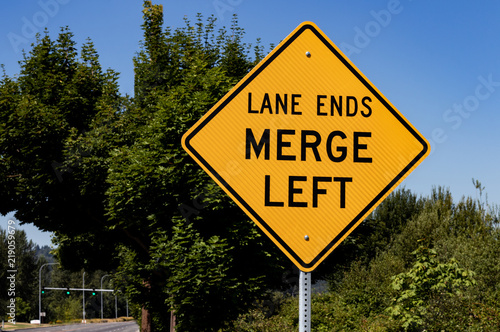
[{"x": 306, "y": 146}]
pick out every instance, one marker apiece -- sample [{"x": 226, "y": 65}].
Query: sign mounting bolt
[
  {"x": 308, "y": 54},
  {"x": 306, "y": 237}
]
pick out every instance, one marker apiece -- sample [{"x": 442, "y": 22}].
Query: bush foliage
[{"x": 436, "y": 270}]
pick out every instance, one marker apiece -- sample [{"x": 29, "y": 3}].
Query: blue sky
[{"x": 437, "y": 62}]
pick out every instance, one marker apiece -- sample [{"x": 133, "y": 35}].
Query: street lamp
[
  {"x": 106, "y": 275},
  {"x": 83, "y": 304},
  {"x": 40, "y": 291}
]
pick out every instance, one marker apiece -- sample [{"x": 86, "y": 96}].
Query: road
[{"x": 100, "y": 327}]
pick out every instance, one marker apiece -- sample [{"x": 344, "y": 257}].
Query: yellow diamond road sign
[{"x": 306, "y": 146}]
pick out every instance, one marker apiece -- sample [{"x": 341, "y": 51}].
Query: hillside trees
[
  {"x": 60, "y": 306},
  {"x": 26, "y": 264}
]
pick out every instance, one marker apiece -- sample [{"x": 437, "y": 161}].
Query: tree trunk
[
  {"x": 172, "y": 321},
  {"x": 145, "y": 320}
]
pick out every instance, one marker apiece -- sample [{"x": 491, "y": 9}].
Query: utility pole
[
  {"x": 106, "y": 275},
  {"x": 40, "y": 292},
  {"x": 83, "y": 291}
]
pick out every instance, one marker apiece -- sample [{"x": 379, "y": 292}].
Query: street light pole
[
  {"x": 83, "y": 291},
  {"x": 40, "y": 291},
  {"x": 106, "y": 275}
]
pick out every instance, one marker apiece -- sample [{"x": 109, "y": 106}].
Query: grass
[{"x": 11, "y": 327}]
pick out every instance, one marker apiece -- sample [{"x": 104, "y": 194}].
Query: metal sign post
[{"x": 305, "y": 302}]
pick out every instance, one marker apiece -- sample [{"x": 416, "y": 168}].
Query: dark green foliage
[
  {"x": 438, "y": 272},
  {"x": 195, "y": 250},
  {"x": 388, "y": 220},
  {"x": 56, "y": 97},
  {"x": 17, "y": 250},
  {"x": 44, "y": 252},
  {"x": 374, "y": 234},
  {"x": 199, "y": 276}
]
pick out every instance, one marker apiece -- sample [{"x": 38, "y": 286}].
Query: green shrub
[{"x": 430, "y": 294}]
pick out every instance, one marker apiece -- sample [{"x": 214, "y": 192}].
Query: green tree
[
  {"x": 425, "y": 291},
  {"x": 68, "y": 310},
  {"x": 55, "y": 97},
  {"x": 58, "y": 98},
  {"x": 180, "y": 75}
]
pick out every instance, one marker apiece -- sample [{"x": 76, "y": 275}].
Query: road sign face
[{"x": 306, "y": 146}]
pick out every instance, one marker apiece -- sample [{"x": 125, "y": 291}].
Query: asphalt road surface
[{"x": 97, "y": 327}]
